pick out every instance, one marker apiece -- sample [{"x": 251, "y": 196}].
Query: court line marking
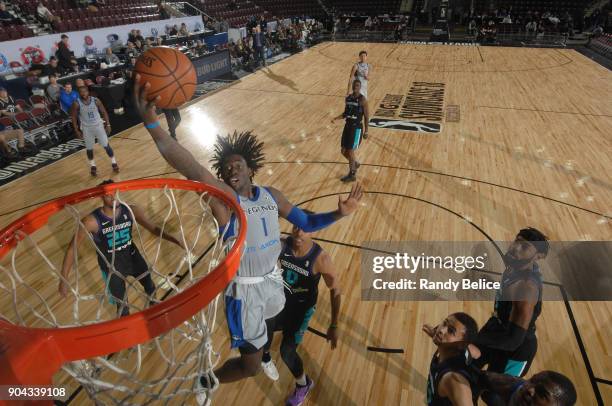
[
  {"x": 544, "y": 111},
  {"x": 451, "y": 176},
  {"x": 450, "y": 71}
]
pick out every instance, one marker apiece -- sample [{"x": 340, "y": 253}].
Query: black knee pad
[{"x": 90, "y": 154}]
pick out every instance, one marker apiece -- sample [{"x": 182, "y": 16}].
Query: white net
[{"x": 161, "y": 371}]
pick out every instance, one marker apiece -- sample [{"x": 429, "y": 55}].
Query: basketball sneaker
[
  {"x": 93, "y": 171},
  {"x": 349, "y": 178},
  {"x": 270, "y": 370},
  {"x": 300, "y": 393},
  {"x": 204, "y": 387},
  {"x": 115, "y": 168}
]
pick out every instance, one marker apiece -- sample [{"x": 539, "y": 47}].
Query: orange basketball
[{"x": 171, "y": 75}]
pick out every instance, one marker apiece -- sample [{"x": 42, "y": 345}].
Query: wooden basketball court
[{"x": 526, "y": 143}]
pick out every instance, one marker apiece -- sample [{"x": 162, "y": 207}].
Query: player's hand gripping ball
[{"x": 171, "y": 76}]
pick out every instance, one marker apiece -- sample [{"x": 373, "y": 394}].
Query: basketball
[{"x": 171, "y": 75}]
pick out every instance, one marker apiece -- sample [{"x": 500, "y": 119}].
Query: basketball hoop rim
[{"x": 34, "y": 354}]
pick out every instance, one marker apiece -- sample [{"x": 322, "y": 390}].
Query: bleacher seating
[
  {"x": 220, "y": 9},
  {"x": 290, "y": 8},
  {"x": 366, "y": 6},
  {"x": 602, "y": 45},
  {"x": 557, "y": 7},
  {"x": 115, "y": 12}
]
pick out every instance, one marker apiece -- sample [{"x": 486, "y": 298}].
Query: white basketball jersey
[
  {"x": 89, "y": 115},
  {"x": 262, "y": 247}
]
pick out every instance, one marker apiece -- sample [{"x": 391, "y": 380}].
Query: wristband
[
  {"x": 333, "y": 325},
  {"x": 152, "y": 125}
]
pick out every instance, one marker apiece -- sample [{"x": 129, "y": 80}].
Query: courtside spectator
[
  {"x": 5, "y": 16},
  {"x": 183, "y": 31},
  {"x": 110, "y": 58},
  {"x": 53, "y": 89},
  {"x": 6, "y": 135},
  {"x": 66, "y": 59},
  {"x": 8, "y": 107},
  {"x": 67, "y": 97},
  {"x": 51, "y": 68},
  {"x": 44, "y": 14}
]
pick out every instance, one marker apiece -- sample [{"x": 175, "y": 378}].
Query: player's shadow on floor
[{"x": 281, "y": 79}]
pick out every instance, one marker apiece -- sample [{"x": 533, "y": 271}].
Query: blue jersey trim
[{"x": 233, "y": 314}]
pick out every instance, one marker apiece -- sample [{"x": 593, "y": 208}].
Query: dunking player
[
  {"x": 546, "y": 388},
  {"x": 113, "y": 237},
  {"x": 87, "y": 110},
  {"x": 451, "y": 381},
  {"x": 303, "y": 262},
  {"x": 360, "y": 71},
  {"x": 256, "y": 293},
  {"x": 356, "y": 109},
  {"x": 508, "y": 341}
]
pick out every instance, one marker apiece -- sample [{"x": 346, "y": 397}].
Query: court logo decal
[
  {"x": 404, "y": 125},
  {"x": 43, "y": 158},
  {"x": 421, "y": 109}
]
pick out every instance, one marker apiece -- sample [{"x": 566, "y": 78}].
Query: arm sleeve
[
  {"x": 310, "y": 222},
  {"x": 508, "y": 339}
]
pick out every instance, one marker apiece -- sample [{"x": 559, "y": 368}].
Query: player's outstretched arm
[
  {"x": 174, "y": 153},
  {"x": 91, "y": 226},
  {"x": 325, "y": 267},
  {"x": 318, "y": 221},
  {"x": 142, "y": 219}
]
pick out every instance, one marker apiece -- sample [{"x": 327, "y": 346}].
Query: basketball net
[{"x": 159, "y": 371}]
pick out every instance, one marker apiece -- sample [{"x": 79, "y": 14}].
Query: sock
[
  {"x": 92, "y": 162},
  {"x": 113, "y": 160},
  {"x": 301, "y": 381},
  {"x": 266, "y": 357}
]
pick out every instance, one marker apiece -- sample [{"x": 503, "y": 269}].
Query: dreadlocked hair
[{"x": 244, "y": 144}]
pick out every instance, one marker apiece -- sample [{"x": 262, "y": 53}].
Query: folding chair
[
  {"x": 44, "y": 118},
  {"x": 37, "y": 99},
  {"x": 23, "y": 104},
  {"x": 32, "y": 130}
]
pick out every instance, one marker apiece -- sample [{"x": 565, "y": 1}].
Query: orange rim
[{"x": 32, "y": 355}]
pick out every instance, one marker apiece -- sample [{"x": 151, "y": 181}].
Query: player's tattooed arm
[{"x": 89, "y": 225}]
